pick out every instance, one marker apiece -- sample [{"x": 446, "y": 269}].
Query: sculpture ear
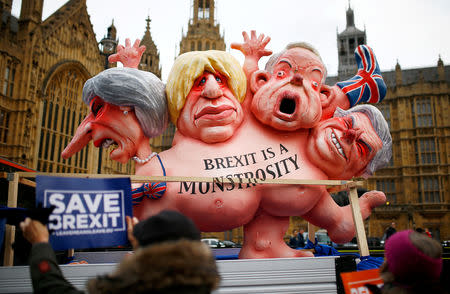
[
  {"x": 331, "y": 98},
  {"x": 326, "y": 95},
  {"x": 258, "y": 79}
]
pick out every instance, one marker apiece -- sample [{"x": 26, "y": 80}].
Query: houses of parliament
[{"x": 44, "y": 64}]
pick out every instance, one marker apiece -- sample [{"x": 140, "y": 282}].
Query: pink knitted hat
[{"x": 407, "y": 262}]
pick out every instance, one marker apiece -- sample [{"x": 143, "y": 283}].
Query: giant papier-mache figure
[{"x": 245, "y": 123}]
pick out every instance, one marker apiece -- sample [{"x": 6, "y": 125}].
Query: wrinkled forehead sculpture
[
  {"x": 134, "y": 88},
  {"x": 381, "y": 127},
  {"x": 191, "y": 65},
  {"x": 275, "y": 58}
]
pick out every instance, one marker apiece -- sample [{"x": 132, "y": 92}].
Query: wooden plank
[
  {"x": 312, "y": 232},
  {"x": 13, "y": 188},
  {"x": 27, "y": 182},
  {"x": 359, "y": 224},
  {"x": 70, "y": 252},
  {"x": 335, "y": 189},
  {"x": 137, "y": 179}
]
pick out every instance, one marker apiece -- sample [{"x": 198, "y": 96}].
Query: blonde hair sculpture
[{"x": 191, "y": 65}]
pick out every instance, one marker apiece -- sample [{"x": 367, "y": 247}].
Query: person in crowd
[
  {"x": 391, "y": 230},
  {"x": 428, "y": 233},
  {"x": 413, "y": 264},
  {"x": 170, "y": 258},
  {"x": 420, "y": 230},
  {"x": 301, "y": 238},
  {"x": 293, "y": 240}
]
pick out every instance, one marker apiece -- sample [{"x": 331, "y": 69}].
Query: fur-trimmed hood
[{"x": 171, "y": 267}]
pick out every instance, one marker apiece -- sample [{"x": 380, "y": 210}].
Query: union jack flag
[
  {"x": 151, "y": 190},
  {"x": 368, "y": 84}
]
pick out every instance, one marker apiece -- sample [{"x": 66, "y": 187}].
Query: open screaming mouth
[
  {"x": 287, "y": 105},
  {"x": 105, "y": 143}
]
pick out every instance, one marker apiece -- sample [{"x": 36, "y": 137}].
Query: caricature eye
[
  {"x": 348, "y": 122},
  {"x": 218, "y": 79},
  {"x": 202, "y": 81},
  {"x": 280, "y": 74},
  {"x": 96, "y": 106},
  {"x": 315, "y": 84},
  {"x": 363, "y": 148}
]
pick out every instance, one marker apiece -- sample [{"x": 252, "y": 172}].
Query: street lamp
[{"x": 108, "y": 47}]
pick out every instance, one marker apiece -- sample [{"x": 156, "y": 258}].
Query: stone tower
[
  {"x": 347, "y": 42},
  {"x": 203, "y": 32},
  {"x": 150, "y": 58},
  {"x": 109, "y": 44}
]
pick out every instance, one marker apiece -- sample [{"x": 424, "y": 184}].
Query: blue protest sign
[{"x": 89, "y": 213}]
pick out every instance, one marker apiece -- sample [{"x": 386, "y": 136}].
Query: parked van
[
  {"x": 321, "y": 236},
  {"x": 213, "y": 243}
]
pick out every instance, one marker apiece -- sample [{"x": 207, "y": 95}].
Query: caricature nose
[
  {"x": 351, "y": 135},
  {"x": 212, "y": 88},
  {"x": 297, "y": 79}
]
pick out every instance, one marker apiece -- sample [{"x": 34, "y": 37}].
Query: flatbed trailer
[{"x": 275, "y": 275}]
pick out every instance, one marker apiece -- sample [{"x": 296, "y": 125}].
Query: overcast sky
[{"x": 414, "y": 32}]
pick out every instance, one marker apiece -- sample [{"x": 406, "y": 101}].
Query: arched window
[
  {"x": 8, "y": 79},
  {"x": 60, "y": 107},
  {"x": 192, "y": 46},
  {"x": 4, "y": 121},
  {"x": 207, "y": 45},
  {"x": 199, "y": 45}
]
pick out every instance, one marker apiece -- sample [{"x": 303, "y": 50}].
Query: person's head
[
  {"x": 393, "y": 225},
  {"x": 301, "y": 230},
  {"x": 411, "y": 258},
  {"x": 420, "y": 230},
  {"x": 204, "y": 92},
  {"x": 170, "y": 259},
  {"x": 353, "y": 143},
  {"x": 129, "y": 87},
  {"x": 289, "y": 93},
  {"x": 128, "y": 106},
  {"x": 168, "y": 225}
]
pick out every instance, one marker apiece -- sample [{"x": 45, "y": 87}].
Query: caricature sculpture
[{"x": 282, "y": 129}]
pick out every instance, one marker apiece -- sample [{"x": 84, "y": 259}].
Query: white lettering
[
  {"x": 95, "y": 220},
  {"x": 82, "y": 221},
  {"x": 114, "y": 217},
  {"x": 92, "y": 206},
  {"x": 105, "y": 220},
  {"x": 56, "y": 199},
  {"x": 68, "y": 222},
  {"x": 75, "y": 203},
  {"x": 54, "y": 219},
  {"x": 111, "y": 202}
]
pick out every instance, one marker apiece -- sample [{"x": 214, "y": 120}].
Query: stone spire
[
  {"x": 441, "y": 71},
  {"x": 398, "y": 74},
  {"x": 348, "y": 41},
  {"x": 150, "y": 58},
  {"x": 350, "y": 16}
]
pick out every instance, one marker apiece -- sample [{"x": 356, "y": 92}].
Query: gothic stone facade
[{"x": 43, "y": 67}]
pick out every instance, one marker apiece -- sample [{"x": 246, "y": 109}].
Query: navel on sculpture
[{"x": 242, "y": 122}]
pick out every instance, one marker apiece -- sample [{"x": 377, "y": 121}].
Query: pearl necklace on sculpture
[{"x": 138, "y": 160}]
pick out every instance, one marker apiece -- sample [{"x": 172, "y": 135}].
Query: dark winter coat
[{"x": 181, "y": 267}]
